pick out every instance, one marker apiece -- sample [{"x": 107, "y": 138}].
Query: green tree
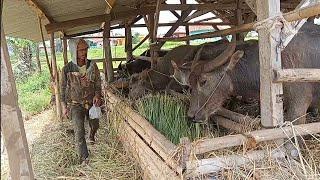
[
  {"x": 136, "y": 38},
  {"x": 23, "y": 51}
]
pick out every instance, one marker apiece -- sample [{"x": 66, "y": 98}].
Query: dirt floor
[
  {"x": 54, "y": 155},
  {"x": 33, "y": 127}
]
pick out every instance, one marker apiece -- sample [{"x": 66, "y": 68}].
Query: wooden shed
[{"x": 42, "y": 20}]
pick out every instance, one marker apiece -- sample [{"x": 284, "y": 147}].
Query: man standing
[{"x": 81, "y": 88}]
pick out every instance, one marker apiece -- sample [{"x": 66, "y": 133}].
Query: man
[{"x": 81, "y": 88}]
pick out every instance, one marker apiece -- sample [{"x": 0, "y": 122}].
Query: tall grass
[
  {"x": 168, "y": 115},
  {"x": 34, "y": 93}
]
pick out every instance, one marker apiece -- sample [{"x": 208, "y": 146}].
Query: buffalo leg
[{"x": 299, "y": 98}]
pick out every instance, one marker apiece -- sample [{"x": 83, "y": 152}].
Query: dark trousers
[{"x": 78, "y": 116}]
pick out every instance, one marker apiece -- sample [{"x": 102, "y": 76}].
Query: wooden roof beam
[
  {"x": 196, "y": 14},
  {"x": 39, "y": 10},
  {"x": 110, "y": 5},
  {"x": 59, "y": 26}
]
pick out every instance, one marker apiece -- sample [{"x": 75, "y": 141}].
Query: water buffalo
[
  {"x": 160, "y": 78},
  {"x": 214, "y": 82},
  {"x": 133, "y": 67}
]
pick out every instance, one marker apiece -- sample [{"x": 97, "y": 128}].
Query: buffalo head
[{"x": 211, "y": 84}]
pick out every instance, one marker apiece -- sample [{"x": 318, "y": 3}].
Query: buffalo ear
[
  {"x": 234, "y": 60},
  {"x": 174, "y": 64}
]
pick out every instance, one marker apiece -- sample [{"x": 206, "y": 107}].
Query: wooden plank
[
  {"x": 98, "y": 19},
  {"x": 254, "y": 137},
  {"x": 198, "y": 168},
  {"x": 39, "y": 10},
  {"x": 110, "y": 5},
  {"x": 56, "y": 78},
  {"x": 12, "y": 127},
  {"x": 178, "y": 23},
  {"x": 182, "y": 24},
  {"x": 107, "y": 52},
  {"x": 204, "y": 6},
  {"x": 150, "y": 162},
  {"x": 297, "y": 75},
  {"x": 153, "y": 138},
  {"x": 295, "y": 15},
  {"x": 45, "y": 48},
  {"x": 297, "y": 25},
  {"x": 65, "y": 50},
  {"x": 196, "y": 14},
  {"x": 270, "y": 59}
]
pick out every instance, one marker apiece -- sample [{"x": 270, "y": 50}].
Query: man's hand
[
  {"x": 65, "y": 110},
  {"x": 97, "y": 100}
]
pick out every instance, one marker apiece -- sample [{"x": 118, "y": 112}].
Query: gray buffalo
[{"x": 237, "y": 74}]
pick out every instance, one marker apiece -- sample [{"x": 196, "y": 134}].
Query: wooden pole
[
  {"x": 295, "y": 15},
  {"x": 65, "y": 50},
  {"x": 107, "y": 51},
  {"x": 128, "y": 41},
  {"x": 38, "y": 58},
  {"x": 186, "y": 26},
  {"x": 271, "y": 94},
  {"x": 254, "y": 137},
  {"x": 153, "y": 52},
  {"x": 198, "y": 168},
  {"x": 297, "y": 75},
  {"x": 12, "y": 127},
  {"x": 45, "y": 48},
  {"x": 240, "y": 36},
  {"x": 56, "y": 77}
]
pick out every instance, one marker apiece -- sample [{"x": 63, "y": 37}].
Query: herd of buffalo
[{"x": 216, "y": 71}]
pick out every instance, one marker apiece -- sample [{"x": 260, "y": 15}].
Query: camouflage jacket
[{"x": 80, "y": 90}]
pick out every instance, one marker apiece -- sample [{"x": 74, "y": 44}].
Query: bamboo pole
[
  {"x": 254, "y": 137},
  {"x": 297, "y": 75},
  {"x": 295, "y": 15},
  {"x": 12, "y": 126},
  {"x": 228, "y": 124},
  {"x": 45, "y": 48},
  {"x": 56, "y": 78}
]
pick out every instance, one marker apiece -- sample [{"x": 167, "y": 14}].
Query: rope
[{"x": 277, "y": 23}]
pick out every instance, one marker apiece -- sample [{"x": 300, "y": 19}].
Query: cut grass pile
[
  {"x": 168, "y": 115},
  {"x": 54, "y": 156}
]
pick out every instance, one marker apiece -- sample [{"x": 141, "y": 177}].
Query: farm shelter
[{"x": 42, "y": 20}]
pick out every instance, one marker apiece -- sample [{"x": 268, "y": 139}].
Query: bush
[{"x": 34, "y": 92}]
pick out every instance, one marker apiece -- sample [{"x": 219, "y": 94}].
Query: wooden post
[
  {"x": 128, "y": 41},
  {"x": 240, "y": 36},
  {"x": 38, "y": 58},
  {"x": 45, "y": 48},
  {"x": 153, "y": 53},
  {"x": 56, "y": 78},
  {"x": 187, "y": 26},
  {"x": 65, "y": 50},
  {"x": 107, "y": 51},
  {"x": 12, "y": 127},
  {"x": 271, "y": 94}
]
